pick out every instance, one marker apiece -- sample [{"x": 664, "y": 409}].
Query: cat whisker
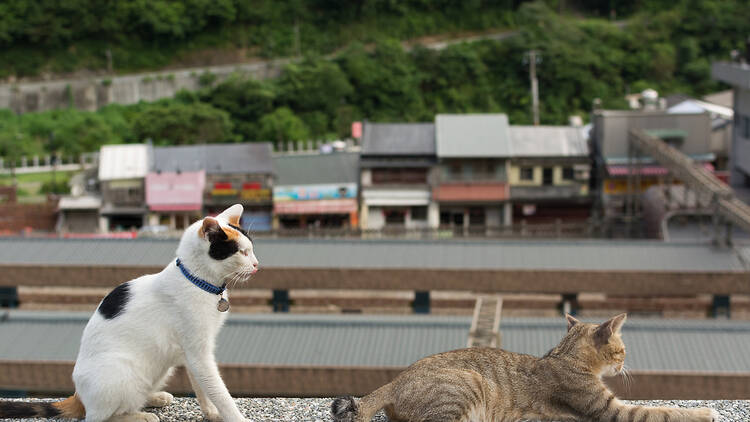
[{"x": 627, "y": 378}]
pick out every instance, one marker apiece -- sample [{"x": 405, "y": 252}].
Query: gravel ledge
[{"x": 317, "y": 410}]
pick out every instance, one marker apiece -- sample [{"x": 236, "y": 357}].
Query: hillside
[{"x": 663, "y": 45}]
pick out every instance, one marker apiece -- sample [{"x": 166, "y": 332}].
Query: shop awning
[
  {"x": 169, "y": 191},
  {"x": 327, "y": 206}
]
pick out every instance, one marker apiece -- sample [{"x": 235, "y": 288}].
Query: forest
[{"x": 359, "y": 69}]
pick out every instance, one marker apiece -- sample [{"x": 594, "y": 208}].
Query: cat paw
[
  {"x": 135, "y": 417},
  {"x": 160, "y": 399},
  {"x": 212, "y": 416},
  {"x": 706, "y": 414}
]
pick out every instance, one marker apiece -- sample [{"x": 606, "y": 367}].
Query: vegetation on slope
[{"x": 668, "y": 47}]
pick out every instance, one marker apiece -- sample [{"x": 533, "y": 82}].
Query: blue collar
[{"x": 201, "y": 283}]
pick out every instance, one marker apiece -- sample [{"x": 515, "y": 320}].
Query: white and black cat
[{"x": 149, "y": 325}]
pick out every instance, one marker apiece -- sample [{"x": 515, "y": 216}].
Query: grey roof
[
  {"x": 472, "y": 135},
  {"x": 395, "y": 254},
  {"x": 398, "y": 139},
  {"x": 263, "y": 339},
  {"x": 365, "y": 340},
  {"x": 247, "y": 157},
  {"x": 308, "y": 169},
  {"x": 548, "y": 141},
  {"x": 652, "y": 344}
]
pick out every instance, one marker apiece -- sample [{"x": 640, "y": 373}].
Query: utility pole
[{"x": 534, "y": 87}]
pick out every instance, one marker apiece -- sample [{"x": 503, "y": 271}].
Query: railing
[
  {"x": 557, "y": 229},
  {"x": 476, "y": 177},
  {"x": 37, "y": 164}
]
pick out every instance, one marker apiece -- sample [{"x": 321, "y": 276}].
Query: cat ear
[
  {"x": 617, "y": 322},
  {"x": 210, "y": 226},
  {"x": 606, "y": 329},
  {"x": 571, "y": 321},
  {"x": 232, "y": 214}
]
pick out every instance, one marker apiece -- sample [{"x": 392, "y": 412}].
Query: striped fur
[
  {"x": 493, "y": 385},
  {"x": 70, "y": 408}
]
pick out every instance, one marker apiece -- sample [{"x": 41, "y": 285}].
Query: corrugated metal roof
[
  {"x": 472, "y": 135},
  {"x": 247, "y": 157},
  {"x": 309, "y": 169},
  {"x": 398, "y": 139},
  {"x": 548, "y": 141},
  {"x": 365, "y": 340},
  {"x": 395, "y": 254},
  {"x": 263, "y": 339},
  {"x": 127, "y": 161},
  {"x": 667, "y": 345}
]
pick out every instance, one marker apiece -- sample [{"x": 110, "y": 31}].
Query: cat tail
[
  {"x": 346, "y": 409},
  {"x": 70, "y": 408}
]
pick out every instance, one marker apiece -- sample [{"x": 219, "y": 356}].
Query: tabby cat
[{"x": 486, "y": 384}]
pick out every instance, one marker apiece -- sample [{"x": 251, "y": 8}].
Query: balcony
[
  {"x": 471, "y": 192},
  {"x": 574, "y": 191},
  {"x": 737, "y": 74}
]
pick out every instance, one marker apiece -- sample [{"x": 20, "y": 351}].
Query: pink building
[{"x": 175, "y": 199}]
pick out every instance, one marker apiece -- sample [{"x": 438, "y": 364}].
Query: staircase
[
  {"x": 485, "y": 324},
  {"x": 703, "y": 182}
]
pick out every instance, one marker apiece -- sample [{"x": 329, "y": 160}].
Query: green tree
[
  {"x": 282, "y": 126},
  {"x": 168, "y": 122}
]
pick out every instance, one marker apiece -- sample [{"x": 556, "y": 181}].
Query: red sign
[
  {"x": 251, "y": 186},
  {"x": 356, "y": 130},
  {"x": 222, "y": 185}
]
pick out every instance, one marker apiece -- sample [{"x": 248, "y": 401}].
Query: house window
[
  {"x": 674, "y": 141},
  {"x": 527, "y": 173},
  {"x": 567, "y": 173},
  {"x": 547, "y": 176},
  {"x": 419, "y": 213}
]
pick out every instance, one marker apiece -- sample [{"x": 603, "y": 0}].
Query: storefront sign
[{"x": 315, "y": 192}]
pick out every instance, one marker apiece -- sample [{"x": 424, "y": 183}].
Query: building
[
  {"x": 549, "y": 174},
  {"x": 721, "y": 126},
  {"x": 79, "y": 211},
  {"x": 174, "y": 199},
  {"x": 473, "y": 152},
  {"x": 233, "y": 173},
  {"x": 738, "y": 76},
  {"x": 316, "y": 190},
  {"x": 396, "y": 172},
  {"x": 122, "y": 173},
  {"x": 690, "y": 133}
]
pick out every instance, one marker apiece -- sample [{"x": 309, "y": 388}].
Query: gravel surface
[{"x": 317, "y": 410}]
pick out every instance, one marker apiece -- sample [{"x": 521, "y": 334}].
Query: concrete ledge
[
  {"x": 322, "y": 381},
  {"x": 317, "y": 410}
]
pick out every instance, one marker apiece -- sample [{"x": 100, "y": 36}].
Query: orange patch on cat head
[
  {"x": 232, "y": 234},
  {"x": 235, "y": 219}
]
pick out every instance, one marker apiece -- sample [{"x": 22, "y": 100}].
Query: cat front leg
[
  {"x": 206, "y": 373},
  {"x": 209, "y": 410}
]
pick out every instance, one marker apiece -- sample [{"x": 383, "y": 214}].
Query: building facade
[
  {"x": 690, "y": 133},
  {"x": 234, "y": 173},
  {"x": 473, "y": 152},
  {"x": 397, "y": 166},
  {"x": 738, "y": 75},
  {"x": 549, "y": 174},
  {"x": 122, "y": 173},
  {"x": 175, "y": 199},
  {"x": 316, "y": 190}
]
